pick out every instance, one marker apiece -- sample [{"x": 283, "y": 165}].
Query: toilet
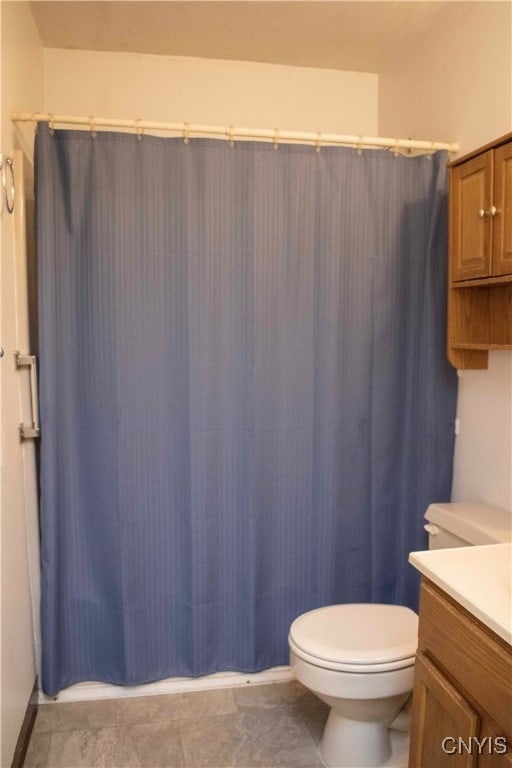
[{"x": 359, "y": 657}]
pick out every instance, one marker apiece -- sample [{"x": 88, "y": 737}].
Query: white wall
[
  {"x": 211, "y": 92},
  {"x": 22, "y": 88},
  {"x": 456, "y": 84}
]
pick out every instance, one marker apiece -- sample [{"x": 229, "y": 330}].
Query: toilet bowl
[{"x": 359, "y": 659}]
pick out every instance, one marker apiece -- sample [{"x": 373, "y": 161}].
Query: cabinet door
[
  {"x": 496, "y": 749},
  {"x": 502, "y": 220},
  {"x": 440, "y": 717},
  {"x": 470, "y": 223}
]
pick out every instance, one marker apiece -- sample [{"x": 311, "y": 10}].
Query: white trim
[
  {"x": 231, "y": 133},
  {"x": 96, "y": 691}
]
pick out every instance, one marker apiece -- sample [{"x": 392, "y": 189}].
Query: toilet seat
[
  {"x": 356, "y": 637},
  {"x": 337, "y": 666}
]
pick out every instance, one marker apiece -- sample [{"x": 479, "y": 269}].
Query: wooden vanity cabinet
[
  {"x": 462, "y": 689},
  {"x": 480, "y": 263}
]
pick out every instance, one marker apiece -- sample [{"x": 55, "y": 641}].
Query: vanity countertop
[{"x": 479, "y": 578}]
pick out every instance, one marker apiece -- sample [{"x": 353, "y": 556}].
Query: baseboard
[
  {"x": 95, "y": 691},
  {"x": 26, "y": 729}
]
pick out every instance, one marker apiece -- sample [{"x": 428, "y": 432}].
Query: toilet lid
[{"x": 357, "y": 633}]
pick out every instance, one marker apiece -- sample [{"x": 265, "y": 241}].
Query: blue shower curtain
[{"x": 245, "y": 402}]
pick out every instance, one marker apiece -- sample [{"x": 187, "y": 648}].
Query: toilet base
[
  {"x": 398, "y": 758},
  {"x": 351, "y": 744},
  {"x": 399, "y": 750}
]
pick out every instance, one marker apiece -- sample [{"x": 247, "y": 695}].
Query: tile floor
[{"x": 257, "y": 726}]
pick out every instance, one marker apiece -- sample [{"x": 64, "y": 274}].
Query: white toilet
[{"x": 359, "y": 658}]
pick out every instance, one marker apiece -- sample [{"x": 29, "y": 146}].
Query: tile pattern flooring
[{"x": 256, "y": 726}]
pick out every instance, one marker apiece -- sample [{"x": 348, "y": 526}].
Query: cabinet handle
[
  {"x": 491, "y": 212},
  {"x": 32, "y": 430}
]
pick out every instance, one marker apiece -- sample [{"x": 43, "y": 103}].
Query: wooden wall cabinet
[
  {"x": 462, "y": 689},
  {"x": 480, "y": 264}
]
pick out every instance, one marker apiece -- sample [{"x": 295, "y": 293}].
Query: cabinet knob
[{"x": 491, "y": 212}]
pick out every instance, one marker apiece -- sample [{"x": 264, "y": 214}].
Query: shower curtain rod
[{"x": 231, "y": 133}]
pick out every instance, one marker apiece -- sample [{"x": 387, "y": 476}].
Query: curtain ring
[
  {"x": 92, "y": 126},
  {"x": 395, "y": 149},
  {"x": 229, "y": 133},
  {"x": 51, "y": 123},
  {"x": 275, "y": 140},
  {"x": 9, "y": 204},
  {"x": 432, "y": 151},
  {"x": 139, "y": 132},
  {"x": 186, "y": 133},
  {"x": 317, "y": 142},
  {"x": 35, "y": 122},
  {"x": 359, "y": 150}
]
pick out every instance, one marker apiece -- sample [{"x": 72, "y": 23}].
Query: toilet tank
[{"x": 462, "y": 525}]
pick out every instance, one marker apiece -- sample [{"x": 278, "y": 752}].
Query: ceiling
[{"x": 357, "y": 36}]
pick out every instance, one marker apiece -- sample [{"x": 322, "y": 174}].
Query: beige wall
[
  {"x": 456, "y": 84},
  {"x": 211, "y": 92},
  {"x": 22, "y": 88},
  {"x": 21, "y": 75}
]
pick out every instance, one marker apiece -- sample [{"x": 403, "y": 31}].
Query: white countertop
[{"x": 479, "y": 578}]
